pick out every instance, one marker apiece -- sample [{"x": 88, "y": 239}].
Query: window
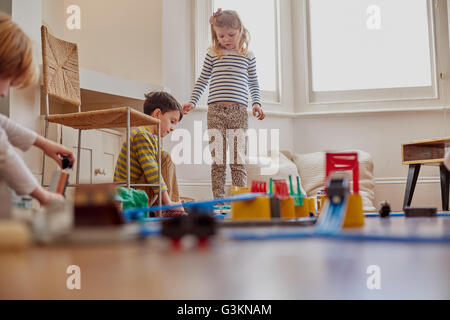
[
  {"x": 263, "y": 29},
  {"x": 369, "y": 50}
]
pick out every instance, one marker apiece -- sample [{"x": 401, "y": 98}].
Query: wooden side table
[{"x": 426, "y": 152}]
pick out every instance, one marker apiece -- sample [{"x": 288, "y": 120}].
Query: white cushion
[
  {"x": 262, "y": 168},
  {"x": 311, "y": 167}
]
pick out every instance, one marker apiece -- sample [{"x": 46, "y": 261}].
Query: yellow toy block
[
  {"x": 287, "y": 210},
  {"x": 311, "y": 205},
  {"x": 354, "y": 216},
  {"x": 256, "y": 209},
  {"x": 239, "y": 190},
  {"x": 303, "y": 210}
]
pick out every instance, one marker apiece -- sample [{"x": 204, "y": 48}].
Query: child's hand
[
  {"x": 45, "y": 196},
  {"x": 168, "y": 202},
  {"x": 187, "y": 107},
  {"x": 54, "y": 150},
  {"x": 180, "y": 208},
  {"x": 257, "y": 112}
]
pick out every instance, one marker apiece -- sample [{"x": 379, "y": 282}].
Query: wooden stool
[{"x": 425, "y": 152}]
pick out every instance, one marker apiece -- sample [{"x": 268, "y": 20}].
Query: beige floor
[{"x": 229, "y": 269}]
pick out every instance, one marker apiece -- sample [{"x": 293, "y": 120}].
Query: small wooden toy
[
  {"x": 287, "y": 210},
  {"x": 256, "y": 209},
  {"x": 198, "y": 223},
  {"x": 333, "y": 215},
  {"x": 301, "y": 203},
  {"x": 385, "y": 209},
  {"x": 95, "y": 205},
  {"x": 354, "y": 216}
]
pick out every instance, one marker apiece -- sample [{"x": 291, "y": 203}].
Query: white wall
[
  {"x": 375, "y": 127},
  {"x": 178, "y": 47},
  {"x": 381, "y": 135},
  {"x": 117, "y": 37},
  {"x": 25, "y": 103}
]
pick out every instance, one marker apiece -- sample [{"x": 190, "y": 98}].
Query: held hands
[
  {"x": 187, "y": 107},
  {"x": 258, "y": 112},
  {"x": 54, "y": 150}
]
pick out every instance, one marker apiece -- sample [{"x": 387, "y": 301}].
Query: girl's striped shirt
[
  {"x": 143, "y": 159},
  {"x": 230, "y": 78}
]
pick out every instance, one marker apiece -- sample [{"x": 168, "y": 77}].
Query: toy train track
[{"x": 300, "y": 222}]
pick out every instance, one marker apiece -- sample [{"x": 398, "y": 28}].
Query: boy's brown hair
[
  {"x": 16, "y": 54},
  {"x": 163, "y": 101}
]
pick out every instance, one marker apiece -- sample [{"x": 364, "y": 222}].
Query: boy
[
  {"x": 18, "y": 69},
  {"x": 144, "y": 151}
]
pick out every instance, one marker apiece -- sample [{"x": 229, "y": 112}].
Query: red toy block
[
  {"x": 281, "y": 190},
  {"x": 341, "y": 162},
  {"x": 259, "y": 187}
]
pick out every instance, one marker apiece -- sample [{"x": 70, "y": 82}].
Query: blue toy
[{"x": 206, "y": 207}]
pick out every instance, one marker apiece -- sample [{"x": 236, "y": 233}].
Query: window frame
[{"x": 373, "y": 95}]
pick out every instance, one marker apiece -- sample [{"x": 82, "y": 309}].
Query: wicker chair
[{"x": 61, "y": 81}]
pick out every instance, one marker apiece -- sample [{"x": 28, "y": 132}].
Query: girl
[
  {"x": 231, "y": 70},
  {"x": 18, "y": 68}
]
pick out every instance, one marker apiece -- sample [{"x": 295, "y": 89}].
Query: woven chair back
[{"x": 61, "y": 70}]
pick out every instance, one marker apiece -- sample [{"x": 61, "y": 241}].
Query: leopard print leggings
[{"x": 227, "y": 125}]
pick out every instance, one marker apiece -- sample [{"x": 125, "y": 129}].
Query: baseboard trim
[
  {"x": 377, "y": 181},
  {"x": 401, "y": 180},
  {"x": 198, "y": 183}
]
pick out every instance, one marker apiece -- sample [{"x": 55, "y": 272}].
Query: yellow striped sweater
[{"x": 143, "y": 159}]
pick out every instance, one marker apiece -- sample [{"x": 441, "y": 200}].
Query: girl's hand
[
  {"x": 54, "y": 150},
  {"x": 187, "y": 107},
  {"x": 257, "y": 112}
]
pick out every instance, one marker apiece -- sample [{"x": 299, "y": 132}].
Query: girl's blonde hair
[
  {"x": 16, "y": 54},
  {"x": 231, "y": 19}
]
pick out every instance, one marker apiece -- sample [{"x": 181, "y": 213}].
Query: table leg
[
  {"x": 413, "y": 173},
  {"x": 445, "y": 180}
]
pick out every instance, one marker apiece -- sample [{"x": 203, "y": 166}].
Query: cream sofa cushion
[
  {"x": 311, "y": 167},
  {"x": 262, "y": 168}
]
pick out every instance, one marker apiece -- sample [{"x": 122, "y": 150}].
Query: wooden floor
[{"x": 230, "y": 269}]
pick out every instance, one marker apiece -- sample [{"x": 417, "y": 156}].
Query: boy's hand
[
  {"x": 54, "y": 150},
  {"x": 180, "y": 208},
  {"x": 187, "y": 107},
  {"x": 257, "y": 112},
  {"x": 167, "y": 201}
]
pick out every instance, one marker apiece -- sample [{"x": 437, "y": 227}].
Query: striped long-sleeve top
[
  {"x": 230, "y": 78},
  {"x": 143, "y": 159}
]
